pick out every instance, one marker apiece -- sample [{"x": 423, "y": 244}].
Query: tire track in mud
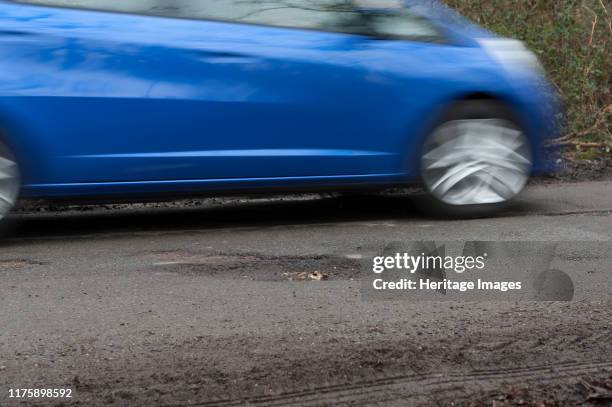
[{"x": 414, "y": 386}]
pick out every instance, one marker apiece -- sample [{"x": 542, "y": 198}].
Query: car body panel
[{"x": 106, "y": 104}]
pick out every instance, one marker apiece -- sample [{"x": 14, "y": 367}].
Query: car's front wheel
[
  {"x": 9, "y": 181},
  {"x": 475, "y": 161}
]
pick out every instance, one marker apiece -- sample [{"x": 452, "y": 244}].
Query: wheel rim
[
  {"x": 9, "y": 183},
  {"x": 473, "y": 162}
]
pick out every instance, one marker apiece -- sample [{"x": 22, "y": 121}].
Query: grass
[{"x": 573, "y": 39}]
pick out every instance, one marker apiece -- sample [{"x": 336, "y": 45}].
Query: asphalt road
[{"x": 212, "y": 305}]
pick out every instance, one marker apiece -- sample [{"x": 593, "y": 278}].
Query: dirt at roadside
[{"x": 599, "y": 169}]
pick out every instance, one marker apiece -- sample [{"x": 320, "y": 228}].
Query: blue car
[{"x": 155, "y": 99}]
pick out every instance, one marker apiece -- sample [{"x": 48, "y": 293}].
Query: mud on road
[{"x": 396, "y": 353}]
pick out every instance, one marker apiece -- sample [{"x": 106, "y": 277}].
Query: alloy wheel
[{"x": 476, "y": 162}]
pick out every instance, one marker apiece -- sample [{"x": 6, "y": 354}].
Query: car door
[{"x": 126, "y": 97}]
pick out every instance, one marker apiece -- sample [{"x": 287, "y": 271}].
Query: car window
[{"x": 386, "y": 18}]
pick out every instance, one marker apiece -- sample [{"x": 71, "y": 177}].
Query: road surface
[{"x": 212, "y": 305}]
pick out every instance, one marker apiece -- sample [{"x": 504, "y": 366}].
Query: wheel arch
[{"x": 507, "y": 102}]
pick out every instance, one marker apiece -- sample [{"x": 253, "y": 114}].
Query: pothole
[{"x": 258, "y": 267}]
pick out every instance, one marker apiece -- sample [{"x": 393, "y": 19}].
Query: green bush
[{"x": 573, "y": 39}]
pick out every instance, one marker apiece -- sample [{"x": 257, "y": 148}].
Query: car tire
[
  {"x": 10, "y": 184},
  {"x": 475, "y": 161}
]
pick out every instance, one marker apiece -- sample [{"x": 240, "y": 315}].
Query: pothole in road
[{"x": 258, "y": 267}]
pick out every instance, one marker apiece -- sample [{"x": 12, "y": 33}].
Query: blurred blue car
[{"x": 153, "y": 99}]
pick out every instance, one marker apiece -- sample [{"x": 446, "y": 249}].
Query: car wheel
[
  {"x": 475, "y": 161},
  {"x": 9, "y": 181}
]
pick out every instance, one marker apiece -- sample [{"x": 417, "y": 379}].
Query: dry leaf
[{"x": 318, "y": 276}]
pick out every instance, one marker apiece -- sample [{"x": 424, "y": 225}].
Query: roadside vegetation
[{"x": 574, "y": 41}]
